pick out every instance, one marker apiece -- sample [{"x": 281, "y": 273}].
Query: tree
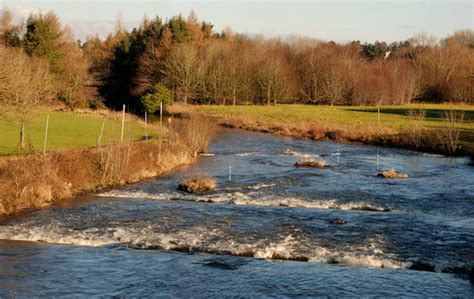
[
  {"x": 196, "y": 35},
  {"x": 25, "y": 84},
  {"x": 308, "y": 62},
  {"x": 215, "y": 66},
  {"x": 179, "y": 29},
  {"x": 123, "y": 84},
  {"x": 9, "y": 32},
  {"x": 183, "y": 71},
  {"x": 274, "y": 75},
  {"x": 461, "y": 37},
  {"x": 44, "y": 38},
  {"x": 372, "y": 51},
  {"x": 78, "y": 86},
  {"x": 157, "y": 95},
  {"x": 443, "y": 68}
]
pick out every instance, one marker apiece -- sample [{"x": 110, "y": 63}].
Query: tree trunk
[
  {"x": 185, "y": 99},
  {"x": 268, "y": 97}
]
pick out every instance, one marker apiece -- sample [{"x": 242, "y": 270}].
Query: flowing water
[{"x": 266, "y": 231}]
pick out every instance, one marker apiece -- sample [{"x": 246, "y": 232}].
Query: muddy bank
[{"x": 39, "y": 180}]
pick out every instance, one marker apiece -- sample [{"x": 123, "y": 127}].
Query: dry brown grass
[
  {"x": 311, "y": 163},
  {"x": 392, "y": 174},
  {"x": 450, "y": 132},
  {"x": 195, "y": 133},
  {"x": 198, "y": 183},
  {"x": 38, "y": 180}
]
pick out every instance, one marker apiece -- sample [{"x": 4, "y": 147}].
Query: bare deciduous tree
[
  {"x": 25, "y": 84},
  {"x": 182, "y": 71}
]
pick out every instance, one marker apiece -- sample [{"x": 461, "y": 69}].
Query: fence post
[
  {"x": 378, "y": 117},
  {"x": 99, "y": 139},
  {"x": 123, "y": 123},
  {"x": 161, "y": 115},
  {"x": 46, "y": 134},
  {"x": 146, "y": 125},
  {"x": 160, "y": 135}
]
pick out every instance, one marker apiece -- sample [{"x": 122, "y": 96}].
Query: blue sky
[{"x": 328, "y": 20}]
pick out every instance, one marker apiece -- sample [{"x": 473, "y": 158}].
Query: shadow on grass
[{"x": 434, "y": 114}]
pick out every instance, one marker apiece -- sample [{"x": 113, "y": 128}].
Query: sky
[{"x": 337, "y": 20}]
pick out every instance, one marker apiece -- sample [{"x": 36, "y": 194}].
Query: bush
[
  {"x": 97, "y": 104},
  {"x": 151, "y": 101}
]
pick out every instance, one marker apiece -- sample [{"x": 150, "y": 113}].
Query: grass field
[
  {"x": 69, "y": 130},
  {"x": 392, "y": 117}
]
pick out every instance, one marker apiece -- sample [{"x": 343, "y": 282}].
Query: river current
[{"x": 268, "y": 229}]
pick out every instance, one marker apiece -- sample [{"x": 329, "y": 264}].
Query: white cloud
[
  {"x": 81, "y": 28},
  {"x": 21, "y": 13}
]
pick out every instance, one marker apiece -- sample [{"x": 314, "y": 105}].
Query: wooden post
[
  {"x": 123, "y": 123},
  {"x": 22, "y": 135},
  {"x": 99, "y": 139},
  {"x": 46, "y": 134},
  {"x": 230, "y": 172},
  {"x": 378, "y": 117},
  {"x": 146, "y": 126},
  {"x": 160, "y": 135},
  {"x": 161, "y": 115}
]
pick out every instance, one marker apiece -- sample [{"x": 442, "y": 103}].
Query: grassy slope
[
  {"x": 394, "y": 117},
  {"x": 68, "y": 130}
]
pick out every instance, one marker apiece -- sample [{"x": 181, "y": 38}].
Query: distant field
[
  {"x": 358, "y": 116},
  {"x": 68, "y": 130},
  {"x": 392, "y": 116}
]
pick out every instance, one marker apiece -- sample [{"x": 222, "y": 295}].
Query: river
[{"x": 266, "y": 231}]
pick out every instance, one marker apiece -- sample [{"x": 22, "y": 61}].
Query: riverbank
[
  {"x": 39, "y": 180},
  {"x": 393, "y": 127}
]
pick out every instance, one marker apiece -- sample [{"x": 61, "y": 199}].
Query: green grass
[
  {"x": 68, "y": 130},
  {"x": 391, "y": 116}
]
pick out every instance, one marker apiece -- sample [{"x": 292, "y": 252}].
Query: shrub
[
  {"x": 97, "y": 104},
  {"x": 195, "y": 133},
  {"x": 450, "y": 132},
  {"x": 151, "y": 101},
  {"x": 417, "y": 124}
]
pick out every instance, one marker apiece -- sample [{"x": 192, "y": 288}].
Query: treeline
[{"x": 187, "y": 59}]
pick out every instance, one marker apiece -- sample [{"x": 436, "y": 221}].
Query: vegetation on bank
[
  {"x": 399, "y": 126},
  {"x": 38, "y": 180}
]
